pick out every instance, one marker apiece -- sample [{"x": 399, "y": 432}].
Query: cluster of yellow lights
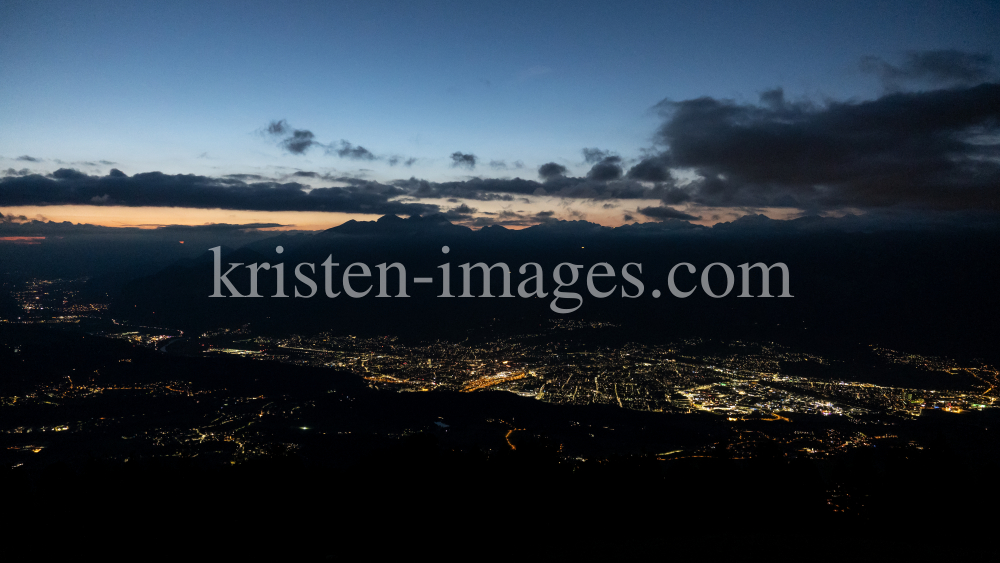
[{"x": 490, "y": 381}]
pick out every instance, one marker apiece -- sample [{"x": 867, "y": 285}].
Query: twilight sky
[{"x": 310, "y": 113}]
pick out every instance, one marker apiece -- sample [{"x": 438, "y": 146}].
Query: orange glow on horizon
[
  {"x": 22, "y": 240},
  {"x": 154, "y": 217}
]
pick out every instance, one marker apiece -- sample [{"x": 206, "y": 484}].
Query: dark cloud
[
  {"x": 938, "y": 149},
  {"x": 242, "y": 176},
  {"x": 68, "y": 174},
  {"x": 652, "y": 169},
  {"x": 498, "y": 165},
  {"x": 628, "y": 217},
  {"x": 935, "y": 68},
  {"x": 27, "y": 158},
  {"x": 278, "y": 128},
  {"x": 663, "y": 212},
  {"x": 493, "y": 189},
  {"x": 12, "y": 172},
  {"x": 463, "y": 210},
  {"x": 299, "y": 174},
  {"x": 551, "y": 170},
  {"x": 475, "y": 188},
  {"x": 594, "y": 155},
  {"x": 608, "y": 168},
  {"x": 295, "y": 141},
  {"x": 463, "y": 159},
  {"x": 774, "y": 98},
  {"x": 156, "y": 189},
  {"x": 299, "y": 142},
  {"x": 13, "y": 219},
  {"x": 674, "y": 195},
  {"x": 459, "y": 214},
  {"x": 353, "y": 152},
  {"x": 396, "y": 159}
]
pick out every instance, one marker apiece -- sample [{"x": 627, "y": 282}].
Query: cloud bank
[
  {"x": 155, "y": 189},
  {"x": 938, "y": 149}
]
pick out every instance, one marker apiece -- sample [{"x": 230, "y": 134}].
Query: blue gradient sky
[{"x": 183, "y": 87}]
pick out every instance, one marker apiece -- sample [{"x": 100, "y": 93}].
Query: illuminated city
[{"x": 752, "y": 388}]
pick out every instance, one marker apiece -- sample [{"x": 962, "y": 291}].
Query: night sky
[{"x": 307, "y": 114}]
